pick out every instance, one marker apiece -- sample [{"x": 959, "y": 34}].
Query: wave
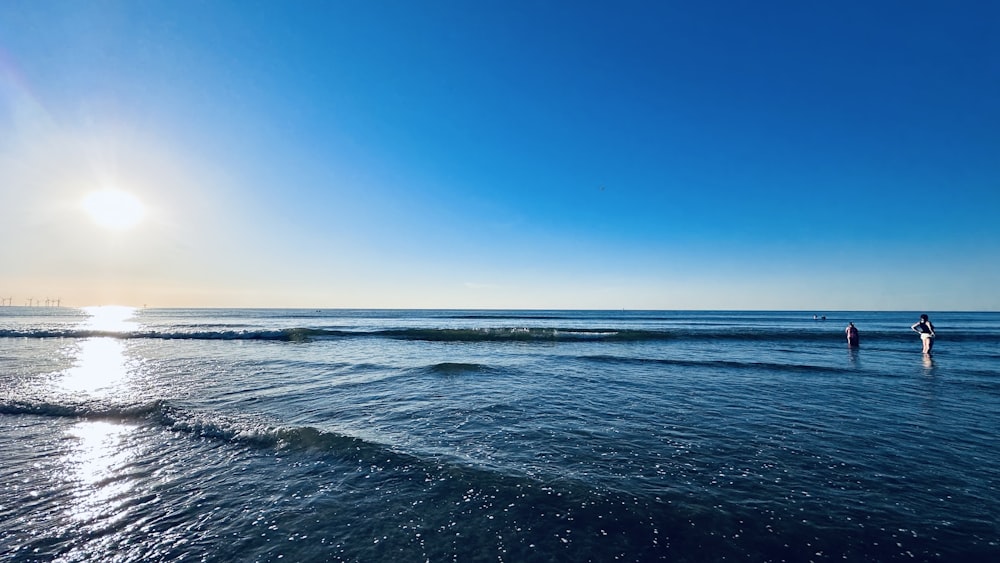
[
  {"x": 530, "y": 317},
  {"x": 571, "y": 334},
  {"x": 457, "y": 368},
  {"x": 286, "y": 335},
  {"x": 500, "y": 334},
  {"x": 517, "y": 334},
  {"x": 84, "y": 409},
  {"x": 232, "y": 429},
  {"x": 727, "y": 364},
  {"x": 308, "y": 334}
]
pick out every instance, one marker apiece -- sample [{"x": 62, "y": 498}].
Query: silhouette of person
[{"x": 852, "y": 335}]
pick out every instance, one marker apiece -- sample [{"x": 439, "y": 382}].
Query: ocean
[{"x": 377, "y": 435}]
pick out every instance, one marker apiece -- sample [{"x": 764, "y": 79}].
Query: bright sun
[{"x": 113, "y": 209}]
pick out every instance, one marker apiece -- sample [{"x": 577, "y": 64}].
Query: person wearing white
[{"x": 926, "y": 331}]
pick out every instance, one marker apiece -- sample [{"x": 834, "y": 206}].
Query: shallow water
[{"x": 266, "y": 435}]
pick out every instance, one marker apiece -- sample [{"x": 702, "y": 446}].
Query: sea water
[{"x": 302, "y": 435}]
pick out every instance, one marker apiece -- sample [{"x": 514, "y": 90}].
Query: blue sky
[{"x": 719, "y": 155}]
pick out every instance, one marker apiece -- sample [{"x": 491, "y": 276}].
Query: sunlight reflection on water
[
  {"x": 92, "y": 466},
  {"x": 101, "y": 367},
  {"x": 111, "y": 318}
]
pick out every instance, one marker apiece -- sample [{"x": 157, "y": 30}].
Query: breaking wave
[
  {"x": 238, "y": 430},
  {"x": 495, "y": 334}
]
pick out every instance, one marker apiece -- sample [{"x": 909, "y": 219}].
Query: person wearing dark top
[
  {"x": 852, "y": 335},
  {"x": 925, "y": 329}
]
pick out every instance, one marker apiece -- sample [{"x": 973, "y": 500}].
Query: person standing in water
[
  {"x": 925, "y": 329},
  {"x": 852, "y": 335}
]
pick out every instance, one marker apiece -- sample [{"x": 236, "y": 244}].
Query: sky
[{"x": 503, "y": 154}]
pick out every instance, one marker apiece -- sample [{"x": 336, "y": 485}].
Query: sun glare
[
  {"x": 111, "y": 318},
  {"x": 113, "y": 209}
]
